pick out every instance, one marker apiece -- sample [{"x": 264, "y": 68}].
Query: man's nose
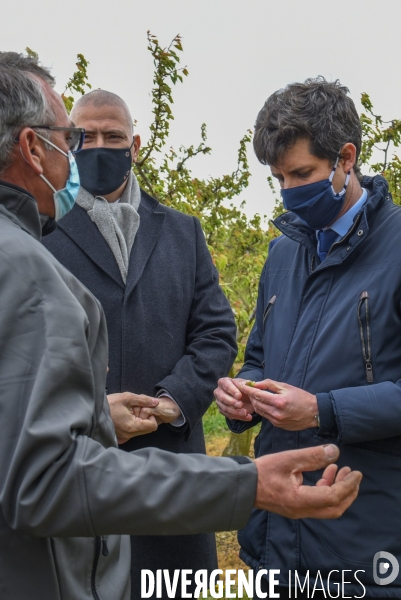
[{"x": 100, "y": 140}]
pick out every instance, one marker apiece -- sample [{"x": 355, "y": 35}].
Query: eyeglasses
[{"x": 76, "y": 139}]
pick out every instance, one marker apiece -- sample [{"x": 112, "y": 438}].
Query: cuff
[
  {"x": 181, "y": 420},
  {"x": 328, "y": 423},
  {"x": 247, "y": 480}
]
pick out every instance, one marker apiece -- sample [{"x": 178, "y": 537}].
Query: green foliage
[
  {"x": 385, "y": 137},
  {"x": 77, "y": 83},
  {"x": 238, "y": 245},
  {"x": 31, "y": 53},
  {"x": 213, "y": 422}
]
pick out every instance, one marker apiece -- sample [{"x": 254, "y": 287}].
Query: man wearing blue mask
[{"x": 325, "y": 350}]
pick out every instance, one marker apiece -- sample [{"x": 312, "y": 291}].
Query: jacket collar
[
  {"x": 80, "y": 228},
  {"x": 18, "y": 205},
  {"x": 292, "y": 226}
]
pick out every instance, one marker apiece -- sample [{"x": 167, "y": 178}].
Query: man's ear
[
  {"x": 32, "y": 150},
  {"x": 348, "y": 157},
  {"x": 135, "y": 148}
]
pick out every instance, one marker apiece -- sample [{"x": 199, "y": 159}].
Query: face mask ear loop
[
  {"x": 41, "y": 176},
  {"x": 340, "y": 194},
  {"x": 48, "y": 183}
]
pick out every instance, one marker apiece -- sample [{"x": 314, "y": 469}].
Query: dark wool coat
[
  {"x": 333, "y": 328},
  {"x": 170, "y": 327}
]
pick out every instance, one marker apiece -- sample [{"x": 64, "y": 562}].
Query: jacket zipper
[
  {"x": 268, "y": 308},
  {"x": 94, "y": 567},
  {"x": 100, "y": 544},
  {"x": 365, "y": 343}
]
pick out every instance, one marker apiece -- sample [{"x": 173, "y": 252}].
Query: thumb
[
  {"x": 314, "y": 458},
  {"x": 142, "y": 400},
  {"x": 269, "y": 385}
]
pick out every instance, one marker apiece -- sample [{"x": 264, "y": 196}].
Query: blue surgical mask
[
  {"x": 64, "y": 199},
  {"x": 316, "y": 204}
]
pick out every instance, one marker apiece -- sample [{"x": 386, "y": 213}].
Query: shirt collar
[{"x": 345, "y": 222}]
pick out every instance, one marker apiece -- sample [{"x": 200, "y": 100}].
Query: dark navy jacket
[
  {"x": 334, "y": 329},
  {"x": 170, "y": 327}
]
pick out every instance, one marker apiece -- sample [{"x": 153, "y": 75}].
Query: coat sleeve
[
  {"x": 367, "y": 413},
  {"x": 210, "y": 342},
  {"x": 254, "y": 357},
  {"x": 56, "y": 479}
]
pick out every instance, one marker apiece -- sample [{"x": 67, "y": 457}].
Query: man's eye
[{"x": 304, "y": 175}]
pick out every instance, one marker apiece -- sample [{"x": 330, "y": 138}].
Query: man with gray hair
[
  {"x": 325, "y": 350},
  {"x": 66, "y": 492}
]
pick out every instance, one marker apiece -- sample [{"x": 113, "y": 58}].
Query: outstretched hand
[{"x": 280, "y": 488}]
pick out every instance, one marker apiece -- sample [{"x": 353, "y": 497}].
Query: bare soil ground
[{"x": 227, "y": 545}]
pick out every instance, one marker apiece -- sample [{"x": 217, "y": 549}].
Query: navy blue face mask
[
  {"x": 317, "y": 204},
  {"x": 103, "y": 170}
]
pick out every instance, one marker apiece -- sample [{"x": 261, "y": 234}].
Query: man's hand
[
  {"x": 166, "y": 410},
  {"x": 231, "y": 401},
  {"x": 288, "y": 407},
  {"x": 280, "y": 488},
  {"x": 125, "y": 410}
]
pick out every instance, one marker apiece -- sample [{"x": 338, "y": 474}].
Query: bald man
[{"x": 171, "y": 329}]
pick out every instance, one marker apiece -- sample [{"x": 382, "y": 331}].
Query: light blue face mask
[{"x": 64, "y": 199}]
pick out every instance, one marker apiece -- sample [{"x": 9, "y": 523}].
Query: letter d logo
[{"x": 383, "y": 568}]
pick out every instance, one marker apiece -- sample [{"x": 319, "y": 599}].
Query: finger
[
  {"x": 329, "y": 502},
  {"x": 228, "y": 386},
  {"x": 270, "y": 385},
  {"x": 264, "y": 409},
  {"x": 328, "y": 476},
  {"x": 146, "y": 426},
  {"x": 257, "y": 395},
  {"x": 228, "y": 399},
  {"x": 234, "y": 413},
  {"x": 342, "y": 474},
  {"x": 144, "y": 413},
  {"x": 141, "y": 400},
  {"x": 314, "y": 458}
]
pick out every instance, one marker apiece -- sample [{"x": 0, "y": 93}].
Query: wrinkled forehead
[{"x": 102, "y": 118}]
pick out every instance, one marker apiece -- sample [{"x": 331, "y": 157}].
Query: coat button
[
  {"x": 283, "y": 222},
  {"x": 360, "y": 232}
]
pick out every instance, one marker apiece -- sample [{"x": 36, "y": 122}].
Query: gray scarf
[{"x": 118, "y": 222}]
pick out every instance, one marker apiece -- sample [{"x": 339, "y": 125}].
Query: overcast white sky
[{"x": 237, "y": 54}]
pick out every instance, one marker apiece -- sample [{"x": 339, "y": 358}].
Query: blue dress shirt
[{"x": 345, "y": 222}]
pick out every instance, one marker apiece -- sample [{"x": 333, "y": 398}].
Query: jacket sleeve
[
  {"x": 56, "y": 478},
  {"x": 211, "y": 342},
  {"x": 366, "y": 413},
  {"x": 253, "y": 367}
]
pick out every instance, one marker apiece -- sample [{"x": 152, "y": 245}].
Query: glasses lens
[{"x": 76, "y": 140}]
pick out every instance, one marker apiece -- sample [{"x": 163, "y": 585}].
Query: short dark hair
[{"x": 317, "y": 110}]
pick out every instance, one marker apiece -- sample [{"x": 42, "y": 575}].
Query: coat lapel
[
  {"x": 83, "y": 231},
  {"x": 152, "y": 218}
]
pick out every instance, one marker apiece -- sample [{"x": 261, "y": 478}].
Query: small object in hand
[{"x": 250, "y": 383}]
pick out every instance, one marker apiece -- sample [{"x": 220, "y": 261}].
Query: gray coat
[
  {"x": 63, "y": 482},
  {"x": 170, "y": 327}
]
